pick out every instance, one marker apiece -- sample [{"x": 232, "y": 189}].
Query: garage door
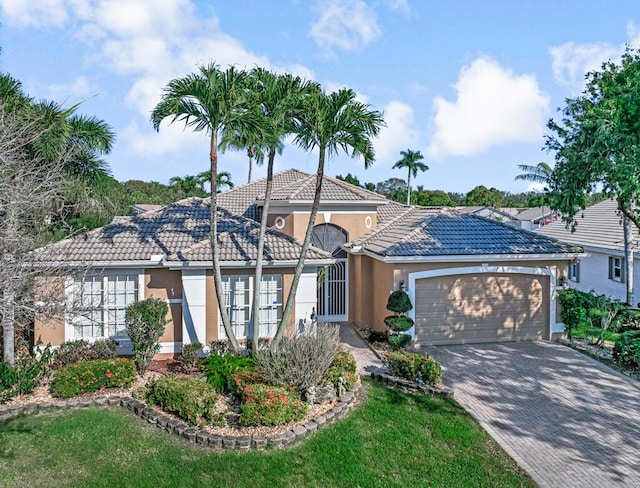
[{"x": 475, "y": 308}]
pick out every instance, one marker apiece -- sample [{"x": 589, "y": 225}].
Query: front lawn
[{"x": 393, "y": 439}]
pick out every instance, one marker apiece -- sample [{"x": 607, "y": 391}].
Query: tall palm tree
[
  {"x": 213, "y": 101},
  {"x": 330, "y": 123},
  {"x": 242, "y": 141},
  {"x": 222, "y": 180},
  {"x": 540, "y": 173},
  {"x": 280, "y": 99},
  {"x": 412, "y": 161}
]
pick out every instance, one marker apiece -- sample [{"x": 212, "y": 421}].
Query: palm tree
[
  {"x": 280, "y": 98},
  {"x": 412, "y": 161},
  {"x": 540, "y": 173},
  {"x": 213, "y": 101},
  {"x": 241, "y": 141},
  {"x": 222, "y": 180},
  {"x": 330, "y": 123}
]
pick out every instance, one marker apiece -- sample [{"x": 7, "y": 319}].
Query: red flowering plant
[
  {"x": 270, "y": 405},
  {"x": 90, "y": 376}
]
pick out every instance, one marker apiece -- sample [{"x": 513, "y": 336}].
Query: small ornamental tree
[
  {"x": 146, "y": 321},
  {"x": 400, "y": 303}
]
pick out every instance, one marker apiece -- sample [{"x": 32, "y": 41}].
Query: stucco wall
[
  {"x": 355, "y": 224},
  {"x": 167, "y": 285}
]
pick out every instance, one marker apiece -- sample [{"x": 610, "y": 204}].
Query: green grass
[
  {"x": 392, "y": 439},
  {"x": 590, "y": 332}
]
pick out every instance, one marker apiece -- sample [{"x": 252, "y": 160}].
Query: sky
[{"x": 470, "y": 84}]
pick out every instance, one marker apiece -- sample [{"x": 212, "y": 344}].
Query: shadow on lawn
[
  {"x": 566, "y": 404},
  {"x": 18, "y": 425}
]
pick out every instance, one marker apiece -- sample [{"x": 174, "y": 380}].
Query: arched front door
[{"x": 332, "y": 280}]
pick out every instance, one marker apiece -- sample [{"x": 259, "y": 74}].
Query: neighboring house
[
  {"x": 532, "y": 218},
  {"x": 599, "y": 231},
  {"x": 140, "y": 208},
  {"x": 470, "y": 278},
  {"x": 504, "y": 215}
]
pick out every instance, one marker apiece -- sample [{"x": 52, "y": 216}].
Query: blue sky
[{"x": 470, "y": 84}]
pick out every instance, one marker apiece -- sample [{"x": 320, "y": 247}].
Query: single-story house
[
  {"x": 471, "y": 279},
  {"x": 534, "y": 217},
  {"x": 599, "y": 231}
]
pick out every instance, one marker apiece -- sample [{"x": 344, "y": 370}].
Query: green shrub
[
  {"x": 400, "y": 341},
  {"x": 399, "y": 323},
  {"x": 8, "y": 377},
  {"x": 26, "y": 374},
  {"x": 89, "y": 376},
  {"x": 399, "y": 302},
  {"x": 626, "y": 350},
  {"x": 220, "y": 368},
  {"x": 586, "y": 313},
  {"x": 80, "y": 350},
  {"x": 190, "y": 399},
  {"x": 414, "y": 367},
  {"x": 301, "y": 361},
  {"x": 146, "y": 321},
  {"x": 270, "y": 405},
  {"x": 189, "y": 355},
  {"x": 344, "y": 365}
]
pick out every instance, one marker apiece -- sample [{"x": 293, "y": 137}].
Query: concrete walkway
[
  {"x": 366, "y": 359},
  {"x": 566, "y": 419}
]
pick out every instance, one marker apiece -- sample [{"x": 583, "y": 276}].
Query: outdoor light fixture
[{"x": 403, "y": 287}]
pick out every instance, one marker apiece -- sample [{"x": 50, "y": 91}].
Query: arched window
[{"x": 330, "y": 238}]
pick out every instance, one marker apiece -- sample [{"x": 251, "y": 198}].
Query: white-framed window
[
  {"x": 238, "y": 295},
  {"x": 99, "y": 303},
  {"x": 574, "y": 272},
  {"x": 616, "y": 269}
]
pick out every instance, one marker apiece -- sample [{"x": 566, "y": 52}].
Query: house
[
  {"x": 599, "y": 231},
  {"x": 140, "y": 208},
  {"x": 505, "y": 215},
  {"x": 532, "y": 218},
  {"x": 471, "y": 279}
]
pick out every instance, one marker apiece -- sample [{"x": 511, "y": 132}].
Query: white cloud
[
  {"x": 398, "y": 5},
  {"x": 144, "y": 141},
  {"x": 536, "y": 187},
  {"x": 347, "y": 25},
  {"x": 572, "y": 61},
  {"x": 24, "y": 13},
  {"x": 494, "y": 106},
  {"x": 78, "y": 88},
  {"x": 399, "y": 134}
]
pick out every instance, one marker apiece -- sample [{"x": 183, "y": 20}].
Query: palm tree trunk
[
  {"x": 250, "y": 155},
  {"x": 305, "y": 247},
  {"x": 255, "y": 309},
  {"x": 213, "y": 237},
  {"x": 409, "y": 188}
]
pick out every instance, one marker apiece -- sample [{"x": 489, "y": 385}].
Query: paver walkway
[
  {"x": 565, "y": 418},
  {"x": 366, "y": 359}
]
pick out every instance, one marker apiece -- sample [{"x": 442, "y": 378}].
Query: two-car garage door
[{"x": 483, "y": 307}]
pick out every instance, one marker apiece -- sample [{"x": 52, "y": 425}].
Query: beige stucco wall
[
  {"x": 166, "y": 284},
  {"x": 50, "y": 330},
  {"x": 353, "y": 223}
]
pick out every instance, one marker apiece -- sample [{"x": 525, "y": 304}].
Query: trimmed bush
[
  {"x": 189, "y": 356},
  {"x": 89, "y": 376},
  {"x": 626, "y": 350},
  {"x": 190, "y": 399},
  {"x": 220, "y": 368},
  {"x": 343, "y": 366},
  {"x": 399, "y": 323},
  {"x": 80, "y": 350},
  {"x": 400, "y": 341},
  {"x": 399, "y": 302},
  {"x": 301, "y": 361},
  {"x": 414, "y": 367},
  {"x": 270, "y": 405},
  {"x": 146, "y": 321}
]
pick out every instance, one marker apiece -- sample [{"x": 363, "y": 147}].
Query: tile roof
[
  {"x": 390, "y": 211},
  {"x": 597, "y": 226},
  {"x": 333, "y": 190},
  {"x": 176, "y": 231},
  {"x": 533, "y": 213},
  {"x": 445, "y": 232}
]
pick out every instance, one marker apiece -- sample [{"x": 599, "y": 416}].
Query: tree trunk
[
  {"x": 250, "y": 155},
  {"x": 628, "y": 258},
  {"x": 305, "y": 247},
  {"x": 255, "y": 309},
  {"x": 8, "y": 324},
  {"x": 213, "y": 237},
  {"x": 409, "y": 188}
]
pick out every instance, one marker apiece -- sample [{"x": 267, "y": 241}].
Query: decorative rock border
[
  {"x": 175, "y": 426},
  {"x": 411, "y": 386}
]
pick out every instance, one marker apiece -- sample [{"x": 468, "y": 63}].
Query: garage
[{"x": 481, "y": 307}]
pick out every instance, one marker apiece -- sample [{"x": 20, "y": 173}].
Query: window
[
  {"x": 574, "y": 272},
  {"x": 616, "y": 271},
  {"x": 238, "y": 294},
  {"x": 100, "y": 303}
]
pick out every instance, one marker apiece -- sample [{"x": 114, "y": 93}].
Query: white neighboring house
[
  {"x": 599, "y": 231},
  {"x": 532, "y": 218}
]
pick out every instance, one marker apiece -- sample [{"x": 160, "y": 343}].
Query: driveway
[{"x": 565, "y": 418}]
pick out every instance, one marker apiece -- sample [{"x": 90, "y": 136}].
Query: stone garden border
[
  {"x": 175, "y": 426},
  {"x": 411, "y": 386}
]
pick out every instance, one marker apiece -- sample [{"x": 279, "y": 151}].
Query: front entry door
[{"x": 332, "y": 280}]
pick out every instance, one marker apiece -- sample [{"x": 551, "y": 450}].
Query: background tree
[
  {"x": 412, "y": 161},
  {"x": 540, "y": 173},
  {"x": 351, "y": 179},
  {"x": 481, "y": 195},
  {"x": 392, "y": 187},
  {"x": 597, "y": 145},
  {"x": 213, "y": 101},
  {"x": 431, "y": 198},
  {"x": 330, "y": 123}
]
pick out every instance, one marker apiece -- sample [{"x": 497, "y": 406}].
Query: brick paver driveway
[{"x": 565, "y": 418}]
